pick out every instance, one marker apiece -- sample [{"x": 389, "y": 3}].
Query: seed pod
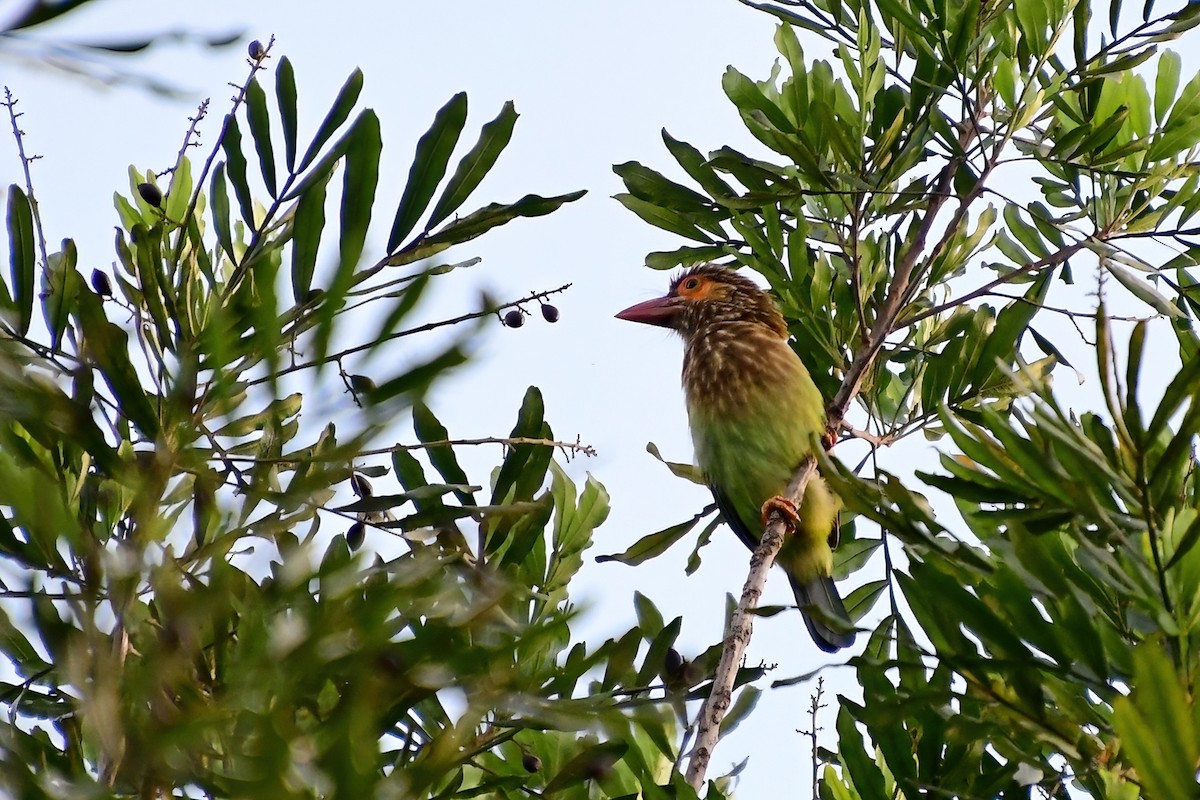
[
  {"x": 151, "y": 194},
  {"x": 514, "y": 318},
  {"x": 530, "y": 762},
  {"x": 255, "y": 49},
  {"x": 361, "y": 486},
  {"x": 355, "y": 536},
  {"x": 101, "y": 284},
  {"x": 673, "y": 662},
  {"x": 549, "y": 312}
]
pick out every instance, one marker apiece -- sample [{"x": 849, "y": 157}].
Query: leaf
[
  {"x": 338, "y": 113},
  {"x": 220, "y": 210},
  {"x": 364, "y": 144},
  {"x": 646, "y": 184},
  {"x": 493, "y": 138},
  {"x": 285, "y": 96},
  {"x": 590, "y": 762},
  {"x": 434, "y": 149},
  {"x": 308, "y": 225},
  {"x": 480, "y": 222},
  {"x": 430, "y": 430},
  {"x": 260, "y": 131},
  {"x": 20, "y": 255},
  {"x": 652, "y": 545},
  {"x": 860, "y": 601},
  {"x": 678, "y": 469},
  {"x": 745, "y": 702},
  {"x": 1140, "y": 289},
  {"x": 235, "y": 169},
  {"x": 1155, "y": 726},
  {"x": 108, "y": 345}
]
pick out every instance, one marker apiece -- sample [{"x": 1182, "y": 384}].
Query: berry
[
  {"x": 514, "y": 318},
  {"x": 530, "y": 762},
  {"x": 101, "y": 283},
  {"x": 673, "y": 663},
  {"x": 549, "y": 312},
  {"x": 361, "y": 486},
  {"x": 355, "y": 536},
  {"x": 255, "y": 49},
  {"x": 151, "y": 194}
]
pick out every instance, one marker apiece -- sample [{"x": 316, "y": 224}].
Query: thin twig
[
  {"x": 815, "y": 705},
  {"x": 256, "y": 64},
  {"x": 10, "y": 103}
]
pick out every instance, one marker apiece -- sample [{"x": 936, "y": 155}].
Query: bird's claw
[{"x": 786, "y": 510}]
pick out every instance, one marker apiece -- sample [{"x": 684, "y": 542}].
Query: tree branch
[{"x": 741, "y": 627}]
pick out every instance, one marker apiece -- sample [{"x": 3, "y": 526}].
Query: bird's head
[{"x": 706, "y": 297}]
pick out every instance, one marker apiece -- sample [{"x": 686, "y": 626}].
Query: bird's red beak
[{"x": 661, "y": 311}]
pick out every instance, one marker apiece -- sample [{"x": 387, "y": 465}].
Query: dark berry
[
  {"x": 150, "y": 193},
  {"x": 101, "y": 283},
  {"x": 549, "y": 312},
  {"x": 673, "y": 663},
  {"x": 255, "y": 49},
  {"x": 530, "y": 762},
  {"x": 361, "y": 486},
  {"x": 355, "y": 536},
  {"x": 362, "y": 384},
  {"x": 514, "y": 318}
]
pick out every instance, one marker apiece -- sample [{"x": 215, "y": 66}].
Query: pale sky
[{"x": 594, "y": 84}]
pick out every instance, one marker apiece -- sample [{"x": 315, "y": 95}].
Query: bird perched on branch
[{"x": 755, "y": 414}]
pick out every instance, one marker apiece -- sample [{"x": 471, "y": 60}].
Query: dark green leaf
[
  {"x": 339, "y": 112},
  {"x": 652, "y": 545},
  {"x": 285, "y": 95},
  {"x": 308, "y": 226},
  {"x": 235, "y": 161},
  {"x": 260, "y": 131},
  {"x": 434, "y": 149},
  {"x": 20, "y": 255},
  {"x": 493, "y": 138}
]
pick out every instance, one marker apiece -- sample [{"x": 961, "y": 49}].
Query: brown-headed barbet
[{"x": 755, "y": 415}]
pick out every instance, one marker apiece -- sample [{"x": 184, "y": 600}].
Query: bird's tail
[{"x": 824, "y": 614}]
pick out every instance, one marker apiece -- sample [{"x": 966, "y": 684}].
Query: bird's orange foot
[{"x": 786, "y": 510}]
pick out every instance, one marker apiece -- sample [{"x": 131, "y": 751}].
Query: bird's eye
[{"x": 691, "y": 283}]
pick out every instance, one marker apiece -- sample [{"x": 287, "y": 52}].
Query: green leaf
[
  {"x": 1166, "y": 83},
  {"x": 434, "y": 149},
  {"x": 860, "y": 601},
  {"x": 1156, "y": 728},
  {"x": 480, "y": 222},
  {"x": 653, "y": 187},
  {"x": 493, "y": 138},
  {"x": 672, "y": 221},
  {"x": 339, "y": 112},
  {"x": 652, "y": 545},
  {"x": 678, "y": 469},
  {"x": 306, "y": 239},
  {"x": 235, "y": 161},
  {"x": 430, "y": 430},
  {"x": 220, "y": 210},
  {"x": 260, "y": 131},
  {"x": 1140, "y": 289},
  {"x": 109, "y": 346},
  {"x": 20, "y": 255},
  {"x": 285, "y": 96},
  {"x": 743, "y": 704},
  {"x": 697, "y": 167},
  {"x": 591, "y": 761},
  {"x": 361, "y": 178}
]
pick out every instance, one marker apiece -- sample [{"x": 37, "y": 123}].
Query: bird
[{"x": 755, "y": 415}]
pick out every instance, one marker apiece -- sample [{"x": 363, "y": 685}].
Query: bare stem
[{"x": 10, "y": 103}]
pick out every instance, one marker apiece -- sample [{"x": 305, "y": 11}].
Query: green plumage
[{"x": 755, "y": 415}]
